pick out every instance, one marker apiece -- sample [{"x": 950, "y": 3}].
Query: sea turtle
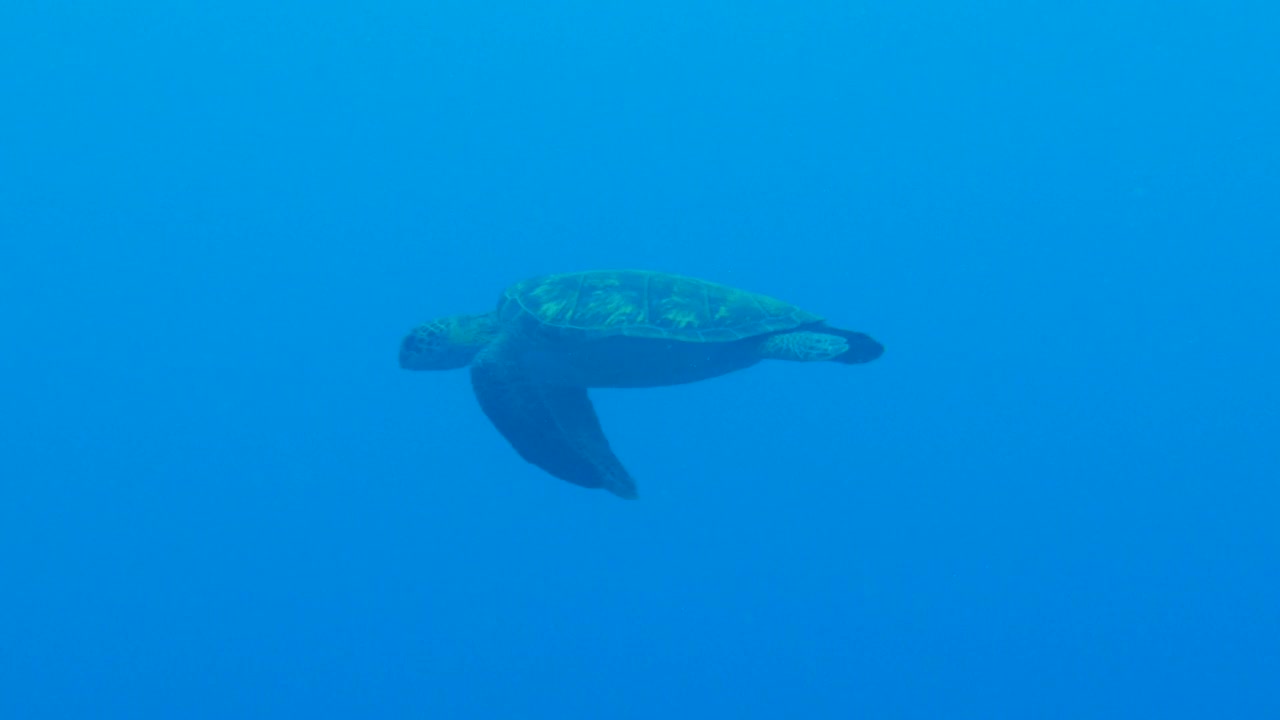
[{"x": 552, "y": 337}]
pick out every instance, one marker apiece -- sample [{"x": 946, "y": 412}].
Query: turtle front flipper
[{"x": 553, "y": 427}]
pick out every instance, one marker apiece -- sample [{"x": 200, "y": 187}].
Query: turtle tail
[{"x": 862, "y": 348}]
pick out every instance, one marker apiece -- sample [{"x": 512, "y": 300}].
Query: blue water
[{"x": 1054, "y": 496}]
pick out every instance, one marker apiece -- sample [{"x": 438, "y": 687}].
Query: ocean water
[{"x": 1054, "y": 496}]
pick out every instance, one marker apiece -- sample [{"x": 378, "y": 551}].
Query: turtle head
[{"x": 448, "y": 343}]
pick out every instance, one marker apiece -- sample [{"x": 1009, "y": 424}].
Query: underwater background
[{"x": 1054, "y": 496}]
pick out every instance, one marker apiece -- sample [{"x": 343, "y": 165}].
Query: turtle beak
[{"x": 411, "y": 352}]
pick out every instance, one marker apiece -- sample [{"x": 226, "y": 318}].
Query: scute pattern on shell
[{"x": 646, "y": 304}]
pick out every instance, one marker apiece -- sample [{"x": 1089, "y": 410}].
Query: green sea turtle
[{"x": 552, "y": 337}]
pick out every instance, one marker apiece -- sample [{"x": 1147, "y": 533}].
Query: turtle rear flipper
[
  {"x": 803, "y": 346},
  {"x": 821, "y": 344},
  {"x": 862, "y": 347},
  {"x": 553, "y": 427}
]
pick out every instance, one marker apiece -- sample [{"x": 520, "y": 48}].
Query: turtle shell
[{"x": 645, "y": 304}]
